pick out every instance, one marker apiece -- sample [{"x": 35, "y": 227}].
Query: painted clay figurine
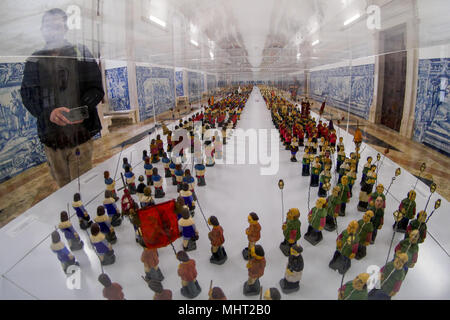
[
  {"x": 150, "y": 259},
  {"x": 378, "y": 218},
  {"x": 411, "y": 248},
  {"x": 188, "y": 197},
  {"x": 255, "y": 266},
  {"x": 110, "y": 185},
  {"x": 209, "y": 153},
  {"x": 130, "y": 178},
  {"x": 158, "y": 183},
  {"x": 272, "y": 294},
  {"x": 140, "y": 188},
  {"x": 355, "y": 289},
  {"x": 216, "y": 293},
  {"x": 346, "y": 248},
  {"x": 418, "y": 224},
  {"x": 219, "y": 255},
  {"x": 160, "y": 292},
  {"x": 365, "y": 231},
  {"x": 253, "y": 233},
  {"x": 291, "y": 231},
  {"x": 366, "y": 189},
  {"x": 306, "y": 163},
  {"x": 82, "y": 214},
  {"x": 187, "y": 271},
  {"x": 105, "y": 226},
  {"x": 102, "y": 247},
  {"x": 147, "y": 200},
  {"x": 188, "y": 230},
  {"x": 72, "y": 237},
  {"x": 315, "y": 172},
  {"x": 408, "y": 209},
  {"x": 324, "y": 182},
  {"x": 333, "y": 209},
  {"x": 316, "y": 218},
  {"x": 293, "y": 274},
  {"x": 166, "y": 162},
  {"x": 64, "y": 255},
  {"x": 344, "y": 196},
  {"x": 148, "y": 167},
  {"x": 111, "y": 209},
  {"x": 111, "y": 290}
]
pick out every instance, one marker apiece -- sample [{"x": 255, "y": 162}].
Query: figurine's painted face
[
  {"x": 369, "y": 160},
  {"x": 399, "y": 261},
  {"x": 380, "y": 188},
  {"x": 414, "y": 236},
  {"x": 341, "y": 139},
  {"x": 367, "y": 216},
  {"x": 379, "y": 203},
  {"x": 344, "y": 180},
  {"x": 422, "y": 216},
  {"x": 336, "y": 191},
  {"x": 320, "y": 203},
  {"x": 412, "y": 195},
  {"x": 250, "y": 220},
  {"x": 358, "y": 283},
  {"x": 352, "y": 227}
]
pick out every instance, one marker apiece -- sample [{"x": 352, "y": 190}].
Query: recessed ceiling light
[
  {"x": 352, "y": 19},
  {"x": 315, "y": 42},
  {"x": 211, "y": 54},
  {"x": 195, "y": 43},
  {"x": 158, "y": 21},
  {"x": 298, "y": 56}
]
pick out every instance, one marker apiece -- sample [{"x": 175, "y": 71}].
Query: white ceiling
[{"x": 246, "y": 38}]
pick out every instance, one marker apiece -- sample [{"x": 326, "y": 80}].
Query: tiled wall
[
  {"x": 432, "y": 124},
  {"x": 179, "y": 83},
  {"x": 211, "y": 82},
  {"x": 195, "y": 86},
  {"x": 117, "y": 89},
  {"x": 345, "y": 86},
  {"x": 20, "y": 147},
  {"x": 155, "y": 87}
]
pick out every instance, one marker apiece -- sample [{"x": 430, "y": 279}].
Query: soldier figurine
[
  {"x": 72, "y": 237},
  {"x": 111, "y": 208},
  {"x": 158, "y": 183},
  {"x": 315, "y": 172},
  {"x": 64, "y": 255},
  {"x": 111, "y": 290},
  {"x": 391, "y": 277},
  {"x": 291, "y": 231},
  {"x": 411, "y": 248},
  {"x": 255, "y": 266},
  {"x": 150, "y": 260},
  {"x": 219, "y": 256},
  {"x": 316, "y": 218},
  {"x": 294, "y": 149},
  {"x": 306, "y": 163},
  {"x": 355, "y": 289},
  {"x": 272, "y": 294},
  {"x": 188, "y": 274},
  {"x": 253, "y": 233},
  {"x": 105, "y": 226},
  {"x": 346, "y": 248},
  {"x": 365, "y": 231},
  {"x": 418, "y": 224},
  {"x": 166, "y": 162},
  {"x": 378, "y": 217},
  {"x": 366, "y": 189},
  {"x": 82, "y": 214},
  {"x": 103, "y": 249},
  {"x": 160, "y": 292},
  {"x": 333, "y": 209},
  {"x": 408, "y": 210},
  {"x": 291, "y": 281},
  {"x": 366, "y": 169},
  {"x": 130, "y": 178},
  {"x": 324, "y": 185},
  {"x": 344, "y": 195},
  {"x": 110, "y": 185},
  {"x": 188, "y": 230},
  {"x": 200, "y": 174},
  {"x": 148, "y": 167}
]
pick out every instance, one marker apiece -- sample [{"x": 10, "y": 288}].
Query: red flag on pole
[{"x": 159, "y": 224}]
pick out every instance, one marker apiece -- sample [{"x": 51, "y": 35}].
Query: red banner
[{"x": 159, "y": 224}]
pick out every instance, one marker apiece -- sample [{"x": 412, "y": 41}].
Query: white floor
[{"x": 30, "y": 270}]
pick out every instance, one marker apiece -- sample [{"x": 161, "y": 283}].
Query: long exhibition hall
[{"x": 224, "y": 150}]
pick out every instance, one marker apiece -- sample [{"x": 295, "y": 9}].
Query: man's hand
[{"x": 57, "y": 117}]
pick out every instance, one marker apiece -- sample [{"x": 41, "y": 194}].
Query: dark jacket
[
  {"x": 64, "y": 77},
  {"x": 295, "y": 263}
]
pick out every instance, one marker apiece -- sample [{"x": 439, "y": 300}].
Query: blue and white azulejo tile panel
[
  {"x": 179, "y": 83},
  {"x": 117, "y": 89},
  {"x": 194, "y": 86},
  {"x": 344, "y": 87},
  {"x": 20, "y": 148},
  {"x": 155, "y": 87},
  {"x": 432, "y": 125}
]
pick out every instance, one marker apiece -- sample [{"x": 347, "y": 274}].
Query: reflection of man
[{"x": 51, "y": 87}]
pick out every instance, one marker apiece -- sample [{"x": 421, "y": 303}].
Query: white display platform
[{"x": 30, "y": 270}]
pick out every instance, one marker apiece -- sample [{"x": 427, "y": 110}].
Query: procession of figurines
[{"x": 324, "y": 159}]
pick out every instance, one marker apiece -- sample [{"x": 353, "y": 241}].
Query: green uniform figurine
[
  {"x": 344, "y": 196},
  {"x": 418, "y": 224},
  {"x": 378, "y": 217},
  {"x": 355, "y": 289},
  {"x": 333, "y": 209},
  {"x": 365, "y": 230},
  {"x": 408, "y": 210},
  {"x": 411, "y": 248},
  {"x": 317, "y": 219},
  {"x": 291, "y": 231},
  {"x": 346, "y": 248}
]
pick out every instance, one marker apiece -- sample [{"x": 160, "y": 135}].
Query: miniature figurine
[
  {"x": 188, "y": 274},
  {"x": 366, "y": 189},
  {"x": 219, "y": 256},
  {"x": 216, "y": 293},
  {"x": 306, "y": 163},
  {"x": 333, "y": 209},
  {"x": 166, "y": 162},
  {"x": 209, "y": 154},
  {"x": 357, "y": 137},
  {"x": 179, "y": 204},
  {"x": 332, "y": 137},
  {"x": 294, "y": 149},
  {"x": 391, "y": 277},
  {"x": 340, "y": 157},
  {"x": 188, "y": 197},
  {"x": 150, "y": 260},
  {"x": 346, "y": 248},
  {"x": 411, "y": 248},
  {"x": 130, "y": 178},
  {"x": 72, "y": 237},
  {"x": 344, "y": 168},
  {"x": 158, "y": 183},
  {"x": 64, "y": 255},
  {"x": 140, "y": 188},
  {"x": 378, "y": 218},
  {"x": 291, "y": 281},
  {"x": 125, "y": 163},
  {"x": 324, "y": 182},
  {"x": 111, "y": 290},
  {"x": 110, "y": 185},
  {"x": 154, "y": 151},
  {"x": 83, "y": 216},
  {"x": 253, "y": 233},
  {"x": 160, "y": 292},
  {"x": 291, "y": 231},
  {"x": 418, "y": 224},
  {"x": 351, "y": 175},
  {"x": 188, "y": 230},
  {"x": 127, "y": 203},
  {"x": 178, "y": 176},
  {"x": 365, "y": 231},
  {"x": 340, "y": 146},
  {"x": 316, "y": 218},
  {"x": 172, "y": 168},
  {"x": 159, "y": 145},
  {"x": 136, "y": 222},
  {"x": 408, "y": 209},
  {"x": 355, "y": 289},
  {"x": 344, "y": 196},
  {"x": 111, "y": 209},
  {"x": 366, "y": 169},
  {"x": 190, "y": 181},
  {"x": 146, "y": 200},
  {"x": 148, "y": 167},
  {"x": 272, "y": 294},
  {"x": 105, "y": 227},
  {"x": 255, "y": 266},
  {"x": 102, "y": 247},
  {"x": 315, "y": 172}
]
